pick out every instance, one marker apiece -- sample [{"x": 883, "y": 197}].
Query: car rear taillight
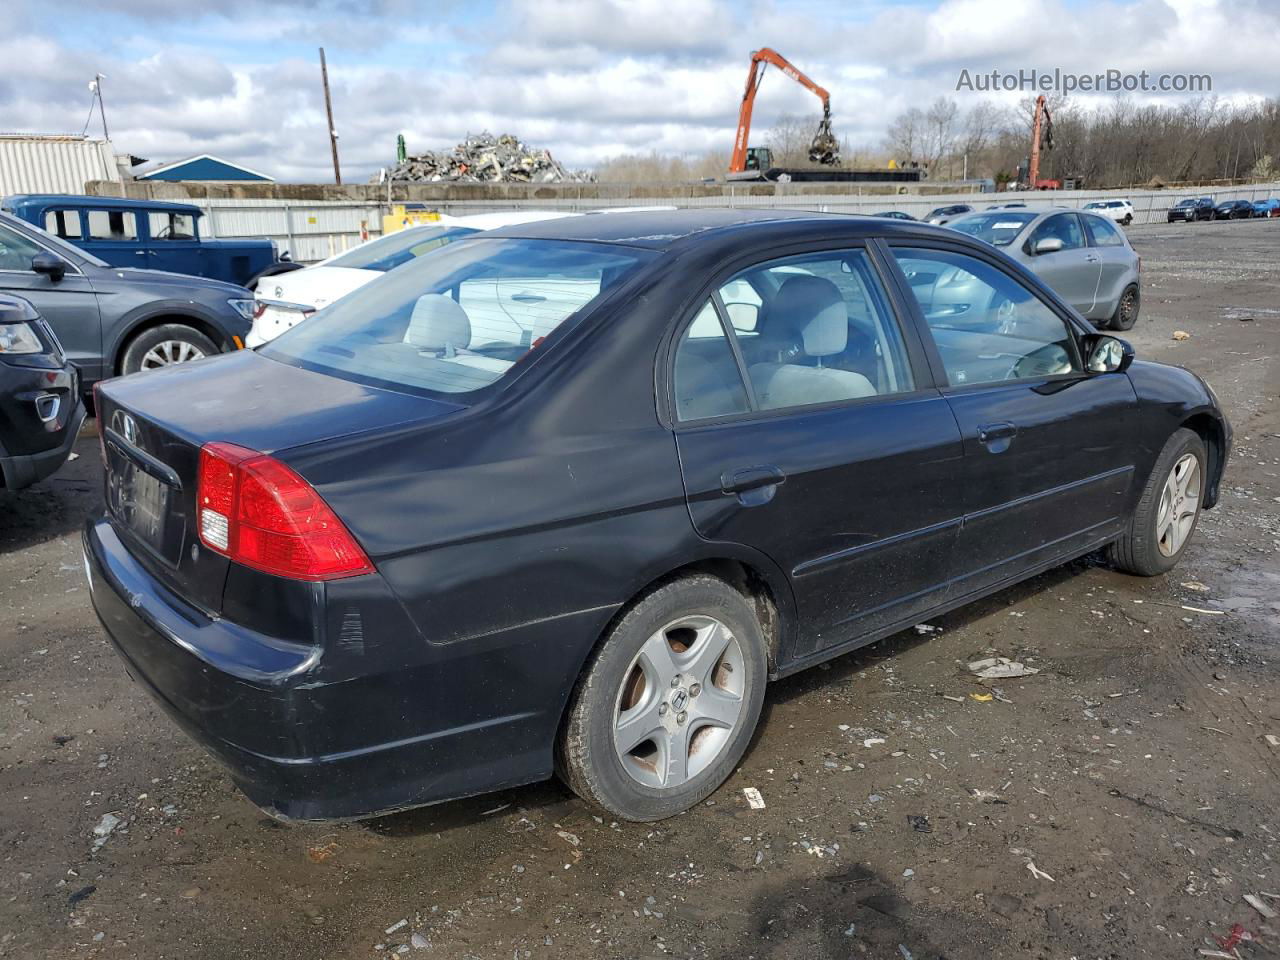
[
  {"x": 259, "y": 308},
  {"x": 256, "y": 511}
]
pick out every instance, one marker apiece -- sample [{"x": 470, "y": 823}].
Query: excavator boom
[{"x": 824, "y": 148}]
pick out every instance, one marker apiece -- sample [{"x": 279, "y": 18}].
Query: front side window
[
  {"x": 1064, "y": 227},
  {"x": 997, "y": 229},
  {"x": 112, "y": 225},
  {"x": 1102, "y": 233},
  {"x": 388, "y": 252},
  {"x": 460, "y": 319},
  {"x": 988, "y": 327},
  {"x": 63, "y": 223},
  {"x": 16, "y": 250},
  {"x": 171, "y": 226}
]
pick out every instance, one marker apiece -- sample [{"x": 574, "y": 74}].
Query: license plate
[{"x": 139, "y": 501}]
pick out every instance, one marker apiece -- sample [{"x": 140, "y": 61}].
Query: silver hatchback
[{"x": 1084, "y": 257}]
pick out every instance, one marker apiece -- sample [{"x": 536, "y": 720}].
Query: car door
[
  {"x": 1048, "y": 467},
  {"x": 1071, "y": 272},
  {"x": 113, "y": 235},
  {"x": 1116, "y": 260},
  {"x": 810, "y": 430},
  {"x": 172, "y": 243},
  {"x": 69, "y": 305}
]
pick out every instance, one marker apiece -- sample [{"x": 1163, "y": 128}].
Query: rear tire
[
  {"x": 1168, "y": 510},
  {"x": 164, "y": 346},
  {"x": 1127, "y": 309},
  {"x": 661, "y": 671}
]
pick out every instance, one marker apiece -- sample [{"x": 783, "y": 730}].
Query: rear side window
[
  {"x": 112, "y": 225},
  {"x": 1102, "y": 233},
  {"x": 63, "y": 223},
  {"x": 707, "y": 381},
  {"x": 460, "y": 319}
]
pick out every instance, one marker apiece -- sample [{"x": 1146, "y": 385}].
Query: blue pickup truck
[{"x": 150, "y": 234}]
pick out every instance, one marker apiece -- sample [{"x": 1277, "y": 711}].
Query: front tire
[
  {"x": 164, "y": 346},
  {"x": 1166, "y": 514},
  {"x": 667, "y": 704}
]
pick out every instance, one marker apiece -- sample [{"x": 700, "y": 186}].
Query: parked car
[
  {"x": 941, "y": 215},
  {"x": 114, "y": 320},
  {"x": 894, "y": 215},
  {"x": 1233, "y": 210},
  {"x": 284, "y": 301},
  {"x": 149, "y": 234},
  {"x": 1192, "y": 209},
  {"x": 1006, "y": 206},
  {"x": 395, "y": 557},
  {"x": 1082, "y": 256},
  {"x": 1121, "y": 211},
  {"x": 1266, "y": 208},
  {"x": 40, "y": 407}
]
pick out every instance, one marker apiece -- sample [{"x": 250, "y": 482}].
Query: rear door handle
[
  {"x": 753, "y": 485},
  {"x": 997, "y": 436},
  {"x": 1091, "y": 258}
]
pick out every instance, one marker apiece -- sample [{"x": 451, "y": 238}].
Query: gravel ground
[{"x": 1119, "y": 803}]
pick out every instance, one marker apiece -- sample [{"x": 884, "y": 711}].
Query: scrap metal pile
[{"x": 484, "y": 158}]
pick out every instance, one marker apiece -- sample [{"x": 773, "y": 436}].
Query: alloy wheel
[
  {"x": 680, "y": 702},
  {"x": 168, "y": 352},
  {"x": 1179, "y": 504}
]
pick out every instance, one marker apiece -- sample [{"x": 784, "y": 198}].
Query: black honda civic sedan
[{"x": 566, "y": 496}]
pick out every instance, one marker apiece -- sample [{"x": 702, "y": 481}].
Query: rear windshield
[
  {"x": 998, "y": 228},
  {"x": 460, "y": 319},
  {"x": 387, "y": 253}
]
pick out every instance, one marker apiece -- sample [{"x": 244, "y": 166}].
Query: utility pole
[
  {"x": 96, "y": 87},
  {"x": 328, "y": 109}
]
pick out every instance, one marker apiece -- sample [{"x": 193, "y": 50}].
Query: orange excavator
[{"x": 824, "y": 149}]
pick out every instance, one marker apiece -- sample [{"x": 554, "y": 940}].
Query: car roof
[{"x": 40, "y": 200}]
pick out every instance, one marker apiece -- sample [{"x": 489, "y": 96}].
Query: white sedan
[{"x": 289, "y": 298}]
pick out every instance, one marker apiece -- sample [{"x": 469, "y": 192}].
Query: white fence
[{"x": 313, "y": 230}]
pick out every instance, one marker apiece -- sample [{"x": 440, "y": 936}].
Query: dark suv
[
  {"x": 40, "y": 408},
  {"x": 1192, "y": 209},
  {"x": 114, "y": 320}
]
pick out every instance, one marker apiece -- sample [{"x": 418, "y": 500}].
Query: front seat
[{"x": 814, "y": 307}]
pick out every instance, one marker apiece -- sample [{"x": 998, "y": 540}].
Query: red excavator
[
  {"x": 824, "y": 149},
  {"x": 1041, "y": 138}
]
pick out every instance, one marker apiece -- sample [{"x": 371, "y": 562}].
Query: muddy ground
[{"x": 1132, "y": 771}]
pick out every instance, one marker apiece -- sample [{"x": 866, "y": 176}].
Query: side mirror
[
  {"x": 1108, "y": 354},
  {"x": 1048, "y": 245},
  {"x": 55, "y": 268}
]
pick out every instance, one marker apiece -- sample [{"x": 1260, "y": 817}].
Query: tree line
[{"x": 1116, "y": 144}]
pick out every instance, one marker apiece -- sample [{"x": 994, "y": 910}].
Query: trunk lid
[{"x": 153, "y": 426}]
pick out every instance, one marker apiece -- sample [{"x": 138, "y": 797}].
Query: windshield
[
  {"x": 387, "y": 253},
  {"x": 460, "y": 319},
  {"x": 998, "y": 229}
]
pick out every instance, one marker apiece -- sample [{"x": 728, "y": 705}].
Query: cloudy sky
[{"x": 586, "y": 78}]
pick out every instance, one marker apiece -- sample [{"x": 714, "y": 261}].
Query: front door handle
[
  {"x": 1091, "y": 258},
  {"x": 996, "y": 437},
  {"x": 752, "y": 485}
]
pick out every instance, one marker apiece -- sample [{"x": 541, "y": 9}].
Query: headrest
[
  {"x": 813, "y": 306},
  {"x": 438, "y": 323}
]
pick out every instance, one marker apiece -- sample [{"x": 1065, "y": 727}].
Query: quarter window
[
  {"x": 987, "y": 326},
  {"x": 63, "y": 223},
  {"x": 112, "y": 225},
  {"x": 707, "y": 381}
]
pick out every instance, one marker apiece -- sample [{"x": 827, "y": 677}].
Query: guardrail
[{"x": 314, "y": 230}]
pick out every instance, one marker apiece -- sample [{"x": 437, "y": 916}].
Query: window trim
[
  {"x": 916, "y": 354},
  {"x": 1038, "y": 289}
]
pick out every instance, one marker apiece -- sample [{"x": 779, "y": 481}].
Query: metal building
[{"x": 32, "y": 163}]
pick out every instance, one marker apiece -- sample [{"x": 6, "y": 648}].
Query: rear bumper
[{"x": 309, "y": 739}]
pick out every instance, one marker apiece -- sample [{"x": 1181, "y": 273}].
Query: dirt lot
[{"x": 903, "y": 816}]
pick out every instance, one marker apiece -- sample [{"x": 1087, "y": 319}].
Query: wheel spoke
[
  {"x": 718, "y": 708},
  {"x": 706, "y": 652},
  {"x": 675, "y": 751},
  {"x": 657, "y": 661},
  {"x": 637, "y": 725}
]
